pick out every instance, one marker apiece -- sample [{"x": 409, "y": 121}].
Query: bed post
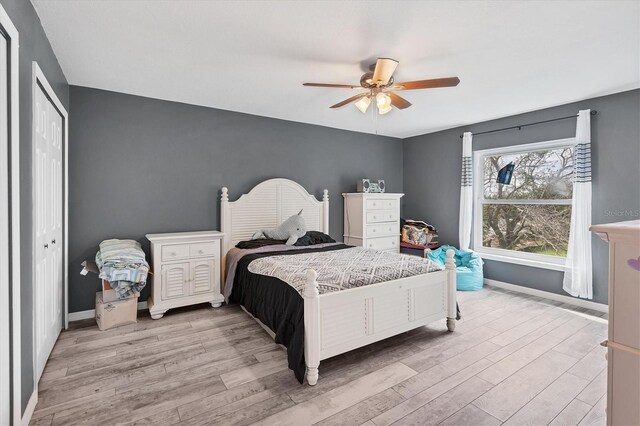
[
  {"x": 450, "y": 266},
  {"x": 325, "y": 211},
  {"x": 312, "y": 327},
  {"x": 225, "y": 228}
]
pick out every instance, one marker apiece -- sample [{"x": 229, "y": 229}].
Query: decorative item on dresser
[
  {"x": 372, "y": 220},
  {"x": 623, "y": 382},
  {"x": 187, "y": 270}
]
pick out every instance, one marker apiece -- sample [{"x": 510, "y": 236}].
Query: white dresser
[
  {"x": 372, "y": 220},
  {"x": 186, "y": 270},
  {"x": 623, "y": 382}
]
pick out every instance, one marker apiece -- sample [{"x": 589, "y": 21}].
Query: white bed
[{"x": 341, "y": 321}]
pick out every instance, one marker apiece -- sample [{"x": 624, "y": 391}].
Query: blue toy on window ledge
[
  {"x": 469, "y": 275},
  {"x": 505, "y": 174}
]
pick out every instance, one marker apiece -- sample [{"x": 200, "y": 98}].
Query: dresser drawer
[
  {"x": 202, "y": 249},
  {"x": 174, "y": 251},
  {"x": 382, "y": 216},
  {"x": 384, "y": 243},
  {"x": 381, "y": 204},
  {"x": 383, "y": 230}
]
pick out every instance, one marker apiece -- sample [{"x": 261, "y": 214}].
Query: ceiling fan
[{"x": 381, "y": 86}]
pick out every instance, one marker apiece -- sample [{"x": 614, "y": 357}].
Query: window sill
[{"x": 524, "y": 262}]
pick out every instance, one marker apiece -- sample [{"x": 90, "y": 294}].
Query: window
[{"x": 527, "y": 221}]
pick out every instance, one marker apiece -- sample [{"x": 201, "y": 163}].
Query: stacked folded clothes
[{"x": 123, "y": 264}]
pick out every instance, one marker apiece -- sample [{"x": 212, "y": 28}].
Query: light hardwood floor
[{"x": 513, "y": 359}]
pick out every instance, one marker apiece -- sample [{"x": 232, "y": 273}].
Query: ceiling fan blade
[
  {"x": 339, "y": 86},
  {"x": 398, "y": 101},
  {"x": 351, "y": 99},
  {"x": 427, "y": 84},
  {"x": 385, "y": 67}
]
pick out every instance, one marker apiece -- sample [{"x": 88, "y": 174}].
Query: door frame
[
  {"x": 15, "y": 371},
  {"x": 39, "y": 80}
]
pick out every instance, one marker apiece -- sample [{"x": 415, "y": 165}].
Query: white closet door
[
  {"x": 5, "y": 408},
  {"x": 48, "y": 226}
]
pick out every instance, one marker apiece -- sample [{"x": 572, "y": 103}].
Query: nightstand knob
[
  {"x": 173, "y": 253},
  {"x": 374, "y": 230}
]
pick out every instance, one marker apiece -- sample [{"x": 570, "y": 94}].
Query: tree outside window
[{"x": 533, "y": 213}]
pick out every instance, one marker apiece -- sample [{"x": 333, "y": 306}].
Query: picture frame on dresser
[{"x": 187, "y": 268}]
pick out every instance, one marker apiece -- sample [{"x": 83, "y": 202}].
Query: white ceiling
[{"x": 253, "y": 56}]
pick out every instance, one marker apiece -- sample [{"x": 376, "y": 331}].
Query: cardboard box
[
  {"x": 108, "y": 294},
  {"x": 115, "y": 313}
]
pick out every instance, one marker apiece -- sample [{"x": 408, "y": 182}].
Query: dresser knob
[
  {"x": 200, "y": 251},
  {"x": 374, "y": 230},
  {"x": 173, "y": 253}
]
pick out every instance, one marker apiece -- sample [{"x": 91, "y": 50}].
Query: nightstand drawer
[
  {"x": 382, "y": 216},
  {"x": 381, "y": 204},
  {"x": 202, "y": 249},
  {"x": 174, "y": 251},
  {"x": 384, "y": 243},
  {"x": 383, "y": 230}
]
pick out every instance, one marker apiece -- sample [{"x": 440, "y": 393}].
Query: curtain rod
[{"x": 593, "y": 112}]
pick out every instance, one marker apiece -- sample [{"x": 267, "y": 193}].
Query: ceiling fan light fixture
[
  {"x": 384, "y": 109},
  {"x": 363, "y": 104},
  {"x": 383, "y": 100}
]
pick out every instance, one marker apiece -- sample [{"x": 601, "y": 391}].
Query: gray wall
[
  {"x": 139, "y": 165},
  {"x": 34, "y": 46},
  {"x": 432, "y": 177}
]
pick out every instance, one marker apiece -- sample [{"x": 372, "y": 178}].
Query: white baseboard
[
  {"x": 91, "y": 313},
  {"x": 552, "y": 296},
  {"x": 31, "y": 406}
]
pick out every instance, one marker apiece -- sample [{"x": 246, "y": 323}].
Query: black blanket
[{"x": 278, "y": 305}]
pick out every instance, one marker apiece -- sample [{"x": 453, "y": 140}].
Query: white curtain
[
  {"x": 578, "y": 274},
  {"x": 466, "y": 193}
]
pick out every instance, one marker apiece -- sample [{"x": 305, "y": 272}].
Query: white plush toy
[{"x": 290, "y": 230}]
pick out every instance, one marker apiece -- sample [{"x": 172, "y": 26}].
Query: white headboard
[{"x": 267, "y": 205}]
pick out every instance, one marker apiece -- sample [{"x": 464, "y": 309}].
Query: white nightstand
[{"x": 186, "y": 270}]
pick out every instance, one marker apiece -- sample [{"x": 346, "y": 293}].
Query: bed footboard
[{"x": 338, "y": 322}]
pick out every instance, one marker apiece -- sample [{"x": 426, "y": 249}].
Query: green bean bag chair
[{"x": 469, "y": 275}]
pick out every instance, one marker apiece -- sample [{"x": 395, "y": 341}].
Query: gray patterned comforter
[{"x": 342, "y": 269}]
